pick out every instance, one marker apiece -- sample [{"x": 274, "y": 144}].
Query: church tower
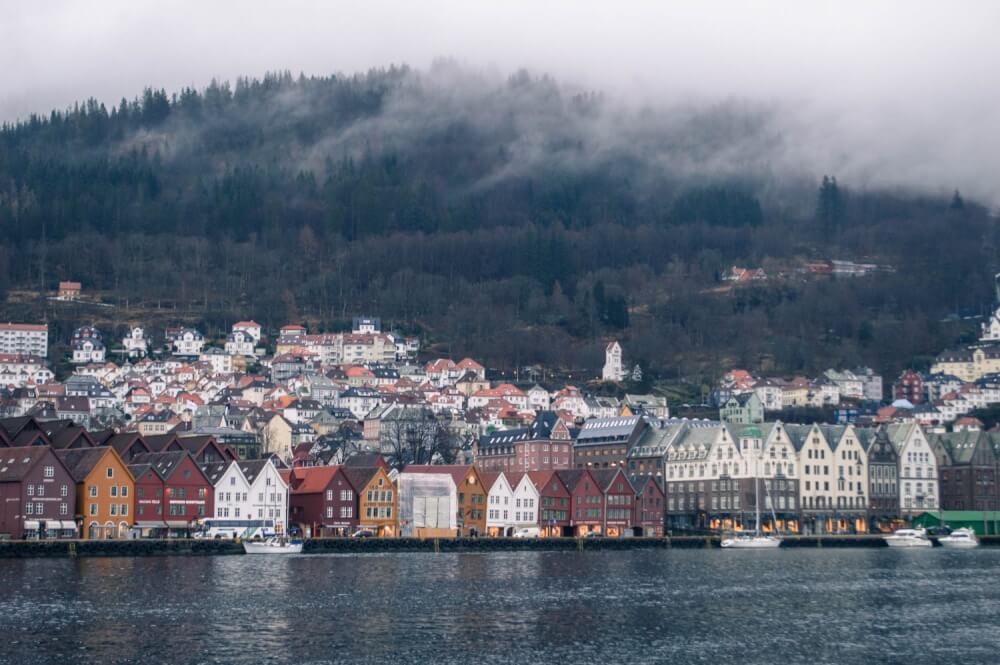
[{"x": 614, "y": 369}]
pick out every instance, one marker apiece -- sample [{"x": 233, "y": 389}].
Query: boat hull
[
  {"x": 763, "y": 543},
  {"x": 908, "y": 542},
  {"x": 958, "y": 543},
  {"x": 264, "y": 548}
]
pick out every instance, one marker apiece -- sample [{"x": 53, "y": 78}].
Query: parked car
[
  {"x": 363, "y": 533},
  {"x": 593, "y": 534},
  {"x": 526, "y": 532}
]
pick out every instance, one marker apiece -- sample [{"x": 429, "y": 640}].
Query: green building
[
  {"x": 984, "y": 523},
  {"x": 742, "y": 409}
]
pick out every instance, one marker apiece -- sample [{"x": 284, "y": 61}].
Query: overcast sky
[{"x": 885, "y": 92}]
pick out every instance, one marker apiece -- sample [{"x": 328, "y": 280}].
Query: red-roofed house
[{"x": 323, "y": 501}]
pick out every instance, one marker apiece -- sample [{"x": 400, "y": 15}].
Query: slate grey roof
[
  {"x": 15, "y": 463},
  {"x": 604, "y": 430}
]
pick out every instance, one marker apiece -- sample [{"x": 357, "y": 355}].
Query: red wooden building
[
  {"x": 172, "y": 493},
  {"x": 649, "y": 505},
  {"x": 553, "y": 504},
  {"x": 37, "y": 494},
  {"x": 619, "y": 501},
  {"x": 586, "y": 501},
  {"x": 323, "y": 501}
]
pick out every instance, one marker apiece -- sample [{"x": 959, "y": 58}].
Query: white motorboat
[
  {"x": 908, "y": 538},
  {"x": 273, "y": 546},
  {"x": 751, "y": 541},
  {"x": 960, "y": 538}
]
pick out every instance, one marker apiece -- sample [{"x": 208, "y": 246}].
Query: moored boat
[
  {"x": 908, "y": 538},
  {"x": 273, "y": 546},
  {"x": 751, "y": 542},
  {"x": 960, "y": 539}
]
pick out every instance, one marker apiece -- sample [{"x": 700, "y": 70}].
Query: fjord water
[{"x": 775, "y": 606}]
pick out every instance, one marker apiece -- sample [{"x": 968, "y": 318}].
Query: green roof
[
  {"x": 752, "y": 432},
  {"x": 962, "y": 518}
]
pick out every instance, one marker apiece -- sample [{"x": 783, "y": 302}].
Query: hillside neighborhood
[{"x": 329, "y": 434}]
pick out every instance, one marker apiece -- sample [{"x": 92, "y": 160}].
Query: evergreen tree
[
  {"x": 830, "y": 208},
  {"x": 956, "y": 202}
]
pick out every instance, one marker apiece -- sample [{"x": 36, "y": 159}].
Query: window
[
  {"x": 124, "y": 509},
  {"x": 31, "y": 490},
  {"x": 29, "y": 508},
  {"x": 114, "y": 508},
  {"x": 93, "y": 509},
  {"x": 124, "y": 490},
  {"x": 110, "y": 472},
  {"x": 114, "y": 490},
  {"x": 93, "y": 490},
  {"x": 63, "y": 491},
  {"x": 50, "y": 472}
]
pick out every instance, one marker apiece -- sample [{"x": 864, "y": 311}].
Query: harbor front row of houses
[{"x": 624, "y": 476}]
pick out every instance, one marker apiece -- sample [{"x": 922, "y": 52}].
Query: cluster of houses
[
  {"x": 960, "y": 381},
  {"x": 332, "y": 433},
  {"x": 626, "y": 475},
  {"x": 742, "y": 396}
]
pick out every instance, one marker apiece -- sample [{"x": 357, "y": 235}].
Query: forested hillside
[{"x": 514, "y": 219}]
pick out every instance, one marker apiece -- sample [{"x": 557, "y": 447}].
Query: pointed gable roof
[
  {"x": 81, "y": 461},
  {"x": 311, "y": 479},
  {"x": 16, "y": 462}
]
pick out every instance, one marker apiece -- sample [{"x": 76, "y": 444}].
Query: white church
[{"x": 614, "y": 368}]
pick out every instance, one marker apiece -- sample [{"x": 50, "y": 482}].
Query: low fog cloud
[{"x": 881, "y": 94}]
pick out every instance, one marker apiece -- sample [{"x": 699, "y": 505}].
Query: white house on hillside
[
  {"x": 614, "y": 370},
  {"x": 135, "y": 344}
]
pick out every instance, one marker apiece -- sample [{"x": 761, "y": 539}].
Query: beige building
[{"x": 969, "y": 364}]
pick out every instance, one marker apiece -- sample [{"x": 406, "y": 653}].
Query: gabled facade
[
  {"x": 918, "y": 472},
  {"x": 966, "y": 470},
  {"x": 378, "y": 500},
  {"x": 250, "y": 490},
  {"x": 105, "y": 491},
  {"x": 586, "y": 502},
  {"x": 649, "y": 506},
  {"x": 499, "y": 505},
  {"x": 883, "y": 481},
  {"x": 554, "y": 517},
  {"x": 619, "y": 501},
  {"x": 37, "y": 497},
  {"x": 172, "y": 493},
  {"x": 323, "y": 501}
]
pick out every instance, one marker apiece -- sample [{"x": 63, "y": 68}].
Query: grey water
[{"x": 780, "y": 606}]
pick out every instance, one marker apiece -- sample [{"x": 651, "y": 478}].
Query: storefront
[
  {"x": 49, "y": 529},
  {"x": 150, "y": 529}
]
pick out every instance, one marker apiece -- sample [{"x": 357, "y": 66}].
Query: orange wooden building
[{"x": 105, "y": 492}]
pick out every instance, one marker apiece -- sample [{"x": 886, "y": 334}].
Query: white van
[{"x": 526, "y": 532}]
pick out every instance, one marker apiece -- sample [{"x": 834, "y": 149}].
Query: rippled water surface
[{"x": 785, "y": 606}]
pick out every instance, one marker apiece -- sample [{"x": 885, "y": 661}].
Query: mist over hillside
[{"x": 514, "y": 217}]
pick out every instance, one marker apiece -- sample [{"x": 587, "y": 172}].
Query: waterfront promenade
[{"x": 191, "y": 547}]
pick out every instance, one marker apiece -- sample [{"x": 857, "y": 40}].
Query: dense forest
[{"x": 517, "y": 220}]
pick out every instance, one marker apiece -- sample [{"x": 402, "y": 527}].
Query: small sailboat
[
  {"x": 960, "y": 539},
  {"x": 273, "y": 546},
  {"x": 756, "y": 540},
  {"x": 908, "y": 538}
]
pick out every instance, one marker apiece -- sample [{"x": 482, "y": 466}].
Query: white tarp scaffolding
[{"x": 426, "y": 500}]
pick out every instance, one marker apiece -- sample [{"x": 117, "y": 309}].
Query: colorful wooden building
[{"x": 105, "y": 491}]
